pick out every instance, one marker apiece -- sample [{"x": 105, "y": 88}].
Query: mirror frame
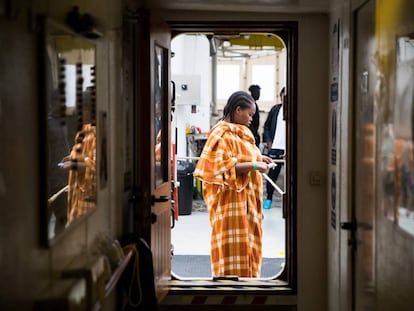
[{"x": 52, "y": 94}]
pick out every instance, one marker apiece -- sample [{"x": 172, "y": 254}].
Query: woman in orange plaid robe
[
  {"x": 81, "y": 163},
  {"x": 82, "y": 175},
  {"x": 229, "y": 167}
]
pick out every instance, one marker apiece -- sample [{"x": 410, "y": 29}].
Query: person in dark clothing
[
  {"x": 254, "y": 90},
  {"x": 274, "y": 141}
]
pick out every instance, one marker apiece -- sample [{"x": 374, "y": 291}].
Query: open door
[
  {"x": 161, "y": 162},
  {"x": 147, "y": 81},
  {"x": 362, "y": 224}
]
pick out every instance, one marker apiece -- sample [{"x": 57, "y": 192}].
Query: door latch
[
  {"x": 160, "y": 199},
  {"x": 349, "y": 225}
]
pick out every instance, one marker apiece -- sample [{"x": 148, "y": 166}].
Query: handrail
[
  {"x": 277, "y": 188},
  {"x": 112, "y": 282},
  {"x": 281, "y": 192},
  {"x": 117, "y": 273},
  {"x": 196, "y": 158},
  {"x": 57, "y": 194},
  {"x": 187, "y": 158}
]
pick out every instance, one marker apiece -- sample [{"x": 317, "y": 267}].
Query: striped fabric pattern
[{"x": 233, "y": 201}]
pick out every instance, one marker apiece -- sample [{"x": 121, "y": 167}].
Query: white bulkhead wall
[{"x": 191, "y": 67}]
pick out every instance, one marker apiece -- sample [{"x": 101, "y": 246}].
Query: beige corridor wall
[
  {"x": 28, "y": 270},
  {"x": 312, "y": 145}
]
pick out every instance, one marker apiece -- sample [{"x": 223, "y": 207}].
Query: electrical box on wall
[{"x": 187, "y": 89}]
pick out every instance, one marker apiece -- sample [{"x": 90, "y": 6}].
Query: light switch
[{"x": 315, "y": 178}]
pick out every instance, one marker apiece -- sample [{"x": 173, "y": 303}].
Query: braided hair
[{"x": 237, "y": 99}]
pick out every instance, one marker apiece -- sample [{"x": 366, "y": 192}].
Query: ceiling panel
[{"x": 285, "y": 6}]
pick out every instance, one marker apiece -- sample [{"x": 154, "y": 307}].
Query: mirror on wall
[
  {"x": 67, "y": 128},
  {"x": 397, "y": 148},
  {"x": 159, "y": 78}
]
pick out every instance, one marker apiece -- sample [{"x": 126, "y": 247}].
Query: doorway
[
  {"x": 279, "y": 244},
  {"x": 142, "y": 214}
]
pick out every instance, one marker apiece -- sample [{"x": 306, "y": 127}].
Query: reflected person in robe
[
  {"x": 230, "y": 168},
  {"x": 158, "y": 147},
  {"x": 81, "y": 163}
]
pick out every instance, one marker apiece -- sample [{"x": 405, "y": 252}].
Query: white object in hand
[{"x": 271, "y": 165}]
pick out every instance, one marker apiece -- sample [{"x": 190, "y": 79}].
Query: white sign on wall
[{"x": 187, "y": 89}]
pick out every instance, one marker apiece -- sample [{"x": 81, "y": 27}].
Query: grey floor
[{"x": 191, "y": 241}]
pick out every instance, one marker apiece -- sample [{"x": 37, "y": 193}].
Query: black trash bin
[{"x": 185, "y": 190}]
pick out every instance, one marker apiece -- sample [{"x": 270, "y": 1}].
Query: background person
[
  {"x": 229, "y": 167},
  {"x": 274, "y": 139},
  {"x": 254, "y": 125}
]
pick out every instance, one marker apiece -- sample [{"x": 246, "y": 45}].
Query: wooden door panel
[
  {"x": 364, "y": 158},
  {"x": 161, "y": 244},
  {"x": 151, "y": 169},
  {"x": 161, "y": 164}
]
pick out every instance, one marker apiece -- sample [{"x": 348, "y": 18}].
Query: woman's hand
[
  {"x": 262, "y": 167},
  {"x": 67, "y": 164},
  {"x": 265, "y": 166},
  {"x": 267, "y": 159}
]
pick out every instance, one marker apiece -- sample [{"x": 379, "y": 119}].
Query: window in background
[
  {"x": 227, "y": 80},
  {"x": 264, "y": 76}
]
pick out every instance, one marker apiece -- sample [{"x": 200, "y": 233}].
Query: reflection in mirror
[
  {"x": 69, "y": 104},
  {"x": 158, "y": 108},
  {"x": 397, "y": 146}
]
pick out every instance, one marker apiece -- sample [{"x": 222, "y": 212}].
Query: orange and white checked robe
[
  {"x": 234, "y": 202},
  {"x": 82, "y": 184}
]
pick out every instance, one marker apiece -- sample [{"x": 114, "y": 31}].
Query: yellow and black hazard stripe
[
  {"x": 229, "y": 292},
  {"x": 236, "y": 299}
]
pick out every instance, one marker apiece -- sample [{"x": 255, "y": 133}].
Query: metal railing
[{"x": 277, "y": 188}]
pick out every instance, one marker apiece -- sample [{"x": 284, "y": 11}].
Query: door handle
[
  {"x": 173, "y": 94},
  {"x": 351, "y": 226},
  {"x": 173, "y": 216},
  {"x": 160, "y": 199}
]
